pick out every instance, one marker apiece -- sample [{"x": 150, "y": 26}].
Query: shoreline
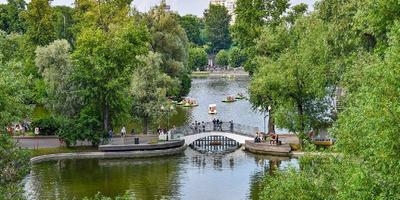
[{"x": 108, "y": 155}]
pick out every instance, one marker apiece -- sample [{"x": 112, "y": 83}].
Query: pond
[
  {"x": 236, "y": 175},
  {"x": 212, "y": 91},
  {"x": 192, "y": 175}
]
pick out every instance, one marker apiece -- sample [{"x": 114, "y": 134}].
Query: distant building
[{"x": 230, "y": 5}]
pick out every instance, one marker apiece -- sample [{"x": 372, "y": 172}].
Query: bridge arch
[{"x": 189, "y": 139}]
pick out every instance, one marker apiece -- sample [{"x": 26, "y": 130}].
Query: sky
[{"x": 183, "y": 7}]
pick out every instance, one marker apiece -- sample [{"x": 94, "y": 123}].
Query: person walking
[{"x": 123, "y": 131}]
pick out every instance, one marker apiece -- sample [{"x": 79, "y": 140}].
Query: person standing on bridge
[{"x": 231, "y": 125}]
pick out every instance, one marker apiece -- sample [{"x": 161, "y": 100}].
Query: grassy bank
[
  {"x": 200, "y": 74},
  {"x": 56, "y": 150}
]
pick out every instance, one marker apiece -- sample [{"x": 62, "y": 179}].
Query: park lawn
[{"x": 56, "y": 150}]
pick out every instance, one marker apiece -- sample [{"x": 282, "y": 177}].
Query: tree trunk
[
  {"x": 106, "y": 117},
  {"x": 271, "y": 122},
  {"x": 145, "y": 125}
]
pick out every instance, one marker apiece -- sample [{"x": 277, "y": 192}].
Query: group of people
[
  {"x": 217, "y": 124},
  {"x": 262, "y": 137},
  {"x": 198, "y": 127},
  {"x": 122, "y": 132},
  {"x": 164, "y": 134},
  {"x": 18, "y": 128}
]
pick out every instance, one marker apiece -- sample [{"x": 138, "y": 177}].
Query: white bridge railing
[{"x": 226, "y": 127}]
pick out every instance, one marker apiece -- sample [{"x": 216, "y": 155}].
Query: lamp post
[
  {"x": 265, "y": 115},
  {"x": 170, "y": 109}
]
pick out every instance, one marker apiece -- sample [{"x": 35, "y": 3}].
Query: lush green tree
[
  {"x": 149, "y": 89},
  {"x": 64, "y": 22},
  {"x": 367, "y": 138},
  {"x": 217, "y": 19},
  {"x": 10, "y": 16},
  {"x": 39, "y": 18},
  {"x": 193, "y": 26},
  {"x": 103, "y": 63},
  {"x": 13, "y": 93},
  {"x": 236, "y": 57},
  {"x": 14, "y": 166},
  {"x": 248, "y": 23},
  {"x": 222, "y": 58},
  {"x": 170, "y": 40},
  {"x": 297, "y": 88},
  {"x": 197, "y": 58},
  {"x": 55, "y": 65},
  {"x": 296, "y": 12}
]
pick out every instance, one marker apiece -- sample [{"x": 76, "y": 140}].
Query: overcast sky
[{"x": 183, "y": 7}]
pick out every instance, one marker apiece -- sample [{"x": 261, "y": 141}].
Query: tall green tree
[
  {"x": 197, "y": 58},
  {"x": 103, "y": 63},
  {"x": 55, "y": 65},
  {"x": 236, "y": 57},
  {"x": 193, "y": 26},
  {"x": 217, "y": 20},
  {"x": 11, "y": 19},
  {"x": 170, "y": 40},
  {"x": 39, "y": 18},
  {"x": 297, "y": 89},
  {"x": 148, "y": 89},
  {"x": 64, "y": 22},
  {"x": 222, "y": 58}
]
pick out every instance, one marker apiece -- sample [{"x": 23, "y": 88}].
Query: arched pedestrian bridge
[{"x": 191, "y": 133}]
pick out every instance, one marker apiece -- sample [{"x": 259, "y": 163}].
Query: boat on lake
[
  {"x": 212, "y": 109},
  {"x": 188, "y": 102},
  {"x": 229, "y": 99},
  {"x": 240, "y": 96}
]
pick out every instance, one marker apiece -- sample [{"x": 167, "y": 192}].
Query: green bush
[{"x": 48, "y": 125}]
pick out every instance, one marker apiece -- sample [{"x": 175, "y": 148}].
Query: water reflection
[{"x": 236, "y": 175}]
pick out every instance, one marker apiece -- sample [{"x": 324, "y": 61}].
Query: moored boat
[
  {"x": 324, "y": 141},
  {"x": 229, "y": 99}
]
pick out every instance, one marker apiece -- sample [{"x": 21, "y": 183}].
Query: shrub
[{"x": 48, "y": 125}]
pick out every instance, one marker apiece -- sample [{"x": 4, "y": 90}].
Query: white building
[{"x": 230, "y": 5}]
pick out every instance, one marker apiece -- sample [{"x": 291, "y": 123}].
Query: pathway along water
[{"x": 193, "y": 175}]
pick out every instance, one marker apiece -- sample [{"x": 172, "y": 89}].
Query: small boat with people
[
  {"x": 229, "y": 99},
  {"x": 240, "y": 96},
  {"x": 212, "y": 109},
  {"x": 188, "y": 102}
]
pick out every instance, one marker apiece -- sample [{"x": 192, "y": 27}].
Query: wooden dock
[{"x": 268, "y": 149}]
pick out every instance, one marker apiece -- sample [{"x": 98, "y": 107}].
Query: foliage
[
  {"x": 11, "y": 20},
  {"x": 148, "y": 89},
  {"x": 249, "y": 22},
  {"x": 217, "y": 20},
  {"x": 236, "y": 57},
  {"x": 55, "y": 65},
  {"x": 103, "y": 63},
  {"x": 222, "y": 58},
  {"x": 14, "y": 166},
  {"x": 40, "y": 27},
  {"x": 252, "y": 18},
  {"x": 13, "y": 94},
  {"x": 127, "y": 196},
  {"x": 169, "y": 39},
  {"x": 298, "y": 87},
  {"x": 63, "y": 25},
  {"x": 367, "y": 128},
  {"x": 198, "y": 58},
  {"x": 47, "y": 125},
  {"x": 193, "y": 26}
]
